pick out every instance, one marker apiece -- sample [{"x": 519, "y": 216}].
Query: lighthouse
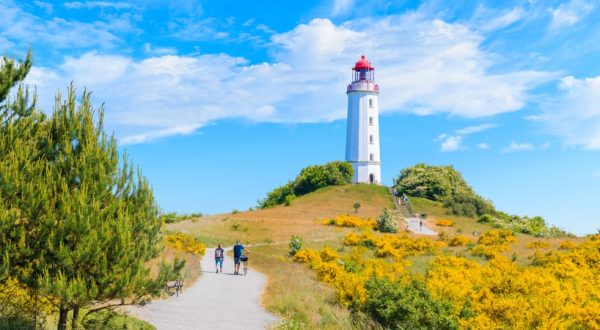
[{"x": 362, "y": 132}]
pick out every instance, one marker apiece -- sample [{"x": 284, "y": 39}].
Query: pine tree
[
  {"x": 77, "y": 222},
  {"x": 103, "y": 221}
]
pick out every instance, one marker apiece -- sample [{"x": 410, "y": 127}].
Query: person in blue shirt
[{"x": 238, "y": 251}]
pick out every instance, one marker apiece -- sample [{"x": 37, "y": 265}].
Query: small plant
[
  {"x": 236, "y": 226},
  {"x": 386, "y": 222},
  {"x": 296, "y": 244},
  {"x": 513, "y": 257},
  {"x": 235, "y": 211},
  {"x": 356, "y": 206}
]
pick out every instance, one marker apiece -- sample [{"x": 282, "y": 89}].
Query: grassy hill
[{"x": 295, "y": 292}]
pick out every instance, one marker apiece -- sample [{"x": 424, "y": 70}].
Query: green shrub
[
  {"x": 432, "y": 182},
  {"x": 468, "y": 205},
  {"x": 310, "y": 179},
  {"x": 535, "y": 226},
  {"x": 173, "y": 217},
  {"x": 289, "y": 199},
  {"x": 443, "y": 184},
  {"x": 296, "y": 244},
  {"x": 410, "y": 306},
  {"x": 386, "y": 222}
]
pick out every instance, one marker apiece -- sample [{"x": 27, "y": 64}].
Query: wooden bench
[{"x": 177, "y": 285}]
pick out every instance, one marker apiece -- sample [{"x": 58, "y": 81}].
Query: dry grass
[{"x": 279, "y": 223}]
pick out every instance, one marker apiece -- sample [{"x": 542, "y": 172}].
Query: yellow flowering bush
[
  {"x": 459, "y": 240},
  {"x": 350, "y": 221},
  {"x": 18, "y": 302},
  {"x": 497, "y": 237},
  {"x": 566, "y": 245},
  {"x": 365, "y": 238},
  {"x": 444, "y": 223},
  {"x": 537, "y": 245},
  {"x": 184, "y": 243},
  {"x": 558, "y": 290},
  {"x": 328, "y": 254}
]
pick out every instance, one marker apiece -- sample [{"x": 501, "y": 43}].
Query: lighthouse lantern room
[{"x": 362, "y": 133}]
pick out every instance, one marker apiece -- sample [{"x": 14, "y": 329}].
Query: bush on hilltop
[{"x": 310, "y": 179}]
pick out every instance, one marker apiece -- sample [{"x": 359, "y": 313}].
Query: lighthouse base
[{"x": 366, "y": 172}]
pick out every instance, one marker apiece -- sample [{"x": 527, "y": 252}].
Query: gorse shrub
[
  {"x": 444, "y": 223},
  {"x": 310, "y": 179},
  {"x": 496, "y": 237},
  {"x": 184, "y": 243},
  {"x": 459, "y": 240},
  {"x": 386, "y": 222},
  {"x": 457, "y": 292},
  {"x": 537, "y": 245},
  {"x": 296, "y": 244},
  {"x": 349, "y": 221}
]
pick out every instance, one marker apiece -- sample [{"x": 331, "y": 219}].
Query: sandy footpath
[{"x": 214, "y": 301}]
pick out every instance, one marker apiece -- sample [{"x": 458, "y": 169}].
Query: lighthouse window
[
  {"x": 370, "y": 103},
  {"x": 371, "y": 157},
  {"x": 371, "y": 139},
  {"x": 371, "y": 121}
]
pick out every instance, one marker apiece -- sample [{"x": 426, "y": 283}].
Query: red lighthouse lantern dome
[
  {"x": 363, "y": 64},
  {"x": 363, "y": 77}
]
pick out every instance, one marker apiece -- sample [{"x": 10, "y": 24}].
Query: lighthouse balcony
[{"x": 363, "y": 86}]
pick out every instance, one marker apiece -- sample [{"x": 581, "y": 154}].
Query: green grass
[{"x": 112, "y": 320}]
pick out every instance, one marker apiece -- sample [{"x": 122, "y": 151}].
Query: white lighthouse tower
[{"x": 362, "y": 134}]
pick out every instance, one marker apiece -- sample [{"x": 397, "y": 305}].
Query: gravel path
[
  {"x": 413, "y": 225},
  {"x": 214, "y": 301}
]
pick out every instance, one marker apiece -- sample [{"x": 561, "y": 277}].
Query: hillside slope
[
  {"x": 294, "y": 291},
  {"x": 278, "y": 223}
]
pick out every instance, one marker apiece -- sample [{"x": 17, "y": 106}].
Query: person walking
[
  {"x": 219, "y": 255},
  {"x": 420, "y": 224},
  {"x": 238, "y": 251}
]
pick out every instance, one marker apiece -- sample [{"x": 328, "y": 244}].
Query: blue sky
[{"x": 221, "y": 101}]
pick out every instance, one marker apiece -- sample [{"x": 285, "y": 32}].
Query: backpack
[{"x": 219, "y": 253}]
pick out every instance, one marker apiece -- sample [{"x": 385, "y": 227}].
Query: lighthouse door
[{"x": 371, "y": 178}]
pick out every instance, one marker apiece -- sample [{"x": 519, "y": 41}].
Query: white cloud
[
  {"x": 452, "y": 143},
  {"x": 569, "y": 13},
  {"x": 483, "y": 146},
  {"x": 575, "y": 114},
  {"x": 596, "y": 174},
  {"x": 98, "y": 4},
  {"x": 423, "y": 66},
  {"x": 517, "y": 147},
  {"x": 497, "y": 21},
  {"x": 341, "y": 6},
  {"x": 148, "y": 48},
  {"x": 474, "y": 129},
  {"x": 19, "y": 26}
]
